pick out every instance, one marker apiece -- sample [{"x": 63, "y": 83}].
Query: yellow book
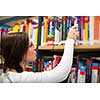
[
  {"x": 16, "y": 27},
  {"x": 86, "y": 28},
  {"x": 29, "y": 29},
  {"x": 36, "y": 38}
]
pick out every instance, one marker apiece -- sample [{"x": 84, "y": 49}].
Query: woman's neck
[{"x": 23, "y": 65}]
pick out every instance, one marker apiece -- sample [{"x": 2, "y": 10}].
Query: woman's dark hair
[{"x": 13, "y": 48}]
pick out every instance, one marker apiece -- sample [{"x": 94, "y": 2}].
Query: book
[
  {"x": 81, "y": 72},
  {"x": 46, "y": 29},
  {"x": 96, "y": 28},
  {"x": 73, "y": 75},
  {"x": 89, "y": 62},
  {"x": 16, "y": 27},
  {"x": 94, "y": 72},
  {"x": 98, "y": 74},
  {"x": 42, "y": 35},
  {"x": 86, "y": 28},
  {"x": 91, "y": 27},
  {"x": 51, "y": 32}
]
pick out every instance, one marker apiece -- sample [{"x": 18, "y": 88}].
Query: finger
[
  {"x": 74, "y": 27},
  {"x": 76, "y": 34},
  {"x": 75, "y": 37},
  {"x": 70, "y": 31},
  {"x": 75, "y": 30}
]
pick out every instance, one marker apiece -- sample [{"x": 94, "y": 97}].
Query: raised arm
[{"x": 61, "y": 71}]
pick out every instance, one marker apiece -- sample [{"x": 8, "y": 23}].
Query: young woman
[{"x": 17, "y": 49}]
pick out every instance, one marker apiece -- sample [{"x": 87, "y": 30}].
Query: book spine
[
  {"x": 96, "y": 28},
  {"x": 82, "y": 27},
  {"x": 34, "y": 68},
  {"x": 94, "y": 72},
  {"x": 63, "y": 29},
  {"x": 21, "y": 27},
  {"x": 82, "y": 75},
  {"x": 56, "y": 33},
  {"x": 39, "y": 65},
  {"x": 16, "y": 27},
  {"x": 31, "y": 31},
  {"x": 99, "y": 27},
  {"x": 91, "y": 29},
  {"x": 73, "y": 75},
  {"x": 88, "y": 70},
  {"x": 51, "y": 31},
  {"x": 78, "y": 76},
  {"x": 46, "y": 29},
  {"x": 86, "y": 28},
  {"x": 79, "y": 26},
  {"x": 42, "y": 35}
]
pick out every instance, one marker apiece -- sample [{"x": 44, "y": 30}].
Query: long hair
[{"x": 13, "y": 48}]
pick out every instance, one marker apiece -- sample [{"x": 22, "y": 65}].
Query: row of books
[
  {"x": 44, "y": 65},
  {"x": 84, "y": 70},
  {"x": 29, "y": 26},
  {"x": 55, "y": 31}
]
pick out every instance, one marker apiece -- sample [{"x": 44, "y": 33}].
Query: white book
[
  {"x": 78, "y": 76},
  {"x": 82, "y": 75},
  {"x": 55, "y": 38},
  {"x": 91, "y": 29},
  {"x": 94, "y": 75},
  {"x": 31, "y": 30},
  {"x": 42, "y": 36}
]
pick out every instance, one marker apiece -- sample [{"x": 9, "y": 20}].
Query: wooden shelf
[
  {"x": 79, "y": 48},
  {"x": 88, "y": 48},
  {"x": 46, "y": 47}
]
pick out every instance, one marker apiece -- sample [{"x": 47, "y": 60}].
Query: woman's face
[{"x": 31, "y": 53}]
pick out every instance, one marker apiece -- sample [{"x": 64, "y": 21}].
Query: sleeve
[{"x": 58, "y": 74}]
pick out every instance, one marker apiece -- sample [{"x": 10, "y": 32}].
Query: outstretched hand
[{"x": 73, "y": 33}]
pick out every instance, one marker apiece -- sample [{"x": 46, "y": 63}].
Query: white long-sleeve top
[{"x": 58, "y": 74}]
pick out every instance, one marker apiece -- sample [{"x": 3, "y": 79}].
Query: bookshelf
[{"x": 79, "y": 48}]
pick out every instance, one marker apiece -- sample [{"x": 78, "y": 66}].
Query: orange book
[
  {"x": 46, "y": 29},
  {"x": 27, "y": 26},
  {"x": 99, "y": 27},
  {"x": 96, "y": 28}
]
